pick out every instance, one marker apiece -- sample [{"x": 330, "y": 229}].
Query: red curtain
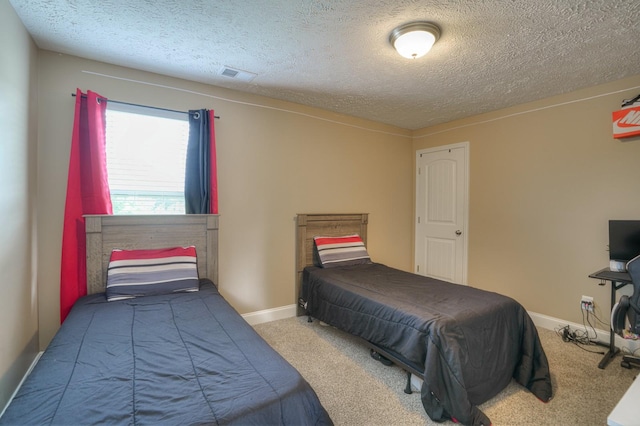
[
  {"x": 87, "y": 193},
  {"x": 213, "y": 199}
]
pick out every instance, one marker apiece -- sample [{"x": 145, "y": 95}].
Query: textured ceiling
[{"x": 334, "y": 54}]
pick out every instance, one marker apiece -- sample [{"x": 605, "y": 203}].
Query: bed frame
[
  {"x": 333, "y": 225},
  {"x": 330, "y": 225},
  {"x": 238, "y": 344},
  {"x": 108, "y": 232}
]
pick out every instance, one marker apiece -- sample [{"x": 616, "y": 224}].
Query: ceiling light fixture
[{"x": 414, "y": 39}]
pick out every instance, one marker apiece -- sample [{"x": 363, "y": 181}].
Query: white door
[{"x": 441, "y": 212}]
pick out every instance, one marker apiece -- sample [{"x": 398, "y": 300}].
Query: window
[{"x": 146, "y": 155}]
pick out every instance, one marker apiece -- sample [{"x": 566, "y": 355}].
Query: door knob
[{"x": 458, "y": 232}]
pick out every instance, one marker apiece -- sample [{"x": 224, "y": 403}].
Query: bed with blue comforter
[{"x": 175, "y": 359}]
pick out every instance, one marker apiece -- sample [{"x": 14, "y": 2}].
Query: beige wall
[
  {"x": 545, "y": 178},
  {"x": 275, "y": 158},
  {"x": 18, "y": 308}
]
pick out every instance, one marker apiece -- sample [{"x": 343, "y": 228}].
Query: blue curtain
[{"x": 197, "y": 182}]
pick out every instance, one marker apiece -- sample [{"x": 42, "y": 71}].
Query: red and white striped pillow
[
  {"x": 341, "y": 251},
  {"x": 135, "y": 273}
]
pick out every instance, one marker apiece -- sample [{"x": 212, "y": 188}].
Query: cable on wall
[{"x": 316, "y": 117}]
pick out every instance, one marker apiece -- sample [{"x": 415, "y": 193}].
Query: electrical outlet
[
  {"x": 586, "y": 303},
  {"x": 586, "y": 306}
]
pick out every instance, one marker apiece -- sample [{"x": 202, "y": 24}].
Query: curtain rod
[{"x": 143, "y": 106}]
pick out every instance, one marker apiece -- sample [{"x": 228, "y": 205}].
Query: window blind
[{"x": 146, "y": 155}]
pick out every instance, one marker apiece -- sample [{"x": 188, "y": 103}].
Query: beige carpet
[{"x": 356, "y": 390}]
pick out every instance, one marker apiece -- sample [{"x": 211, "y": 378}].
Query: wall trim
[
  {"x": 267, "y": 315},
  {"x": 551, "y": 323},
  {"x": 540, "y": 320},
  {"x": 555, "y": 105},
  {"x": 29, "y": 370},
  {"x": 259, "y": 105}
]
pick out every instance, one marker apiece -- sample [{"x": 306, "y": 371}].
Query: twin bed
[
  {"x": 181, "y": 358},
  {"x": 190, "y": 358},
  {"x": 466, "y": 344}
]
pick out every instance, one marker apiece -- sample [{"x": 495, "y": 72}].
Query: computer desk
[{"x": 618, "y": 280}]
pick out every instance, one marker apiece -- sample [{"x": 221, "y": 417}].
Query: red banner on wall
[{"x": 626, "y": 122}]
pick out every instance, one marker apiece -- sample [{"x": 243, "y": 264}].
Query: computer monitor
[{"x": 624, "y": 242}]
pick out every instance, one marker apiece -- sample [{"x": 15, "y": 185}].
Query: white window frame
[{"x": 151, "y": 112}]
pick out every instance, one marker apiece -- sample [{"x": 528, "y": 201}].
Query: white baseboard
[
  {"x": 551, "y": 323},
  {"x": 268, "y": 315},
  {"x": 540, "y": 320},
  {"x": 15, "y": 392}
]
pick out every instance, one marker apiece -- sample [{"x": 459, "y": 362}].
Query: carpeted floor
[{"x": 357, "y": 390}]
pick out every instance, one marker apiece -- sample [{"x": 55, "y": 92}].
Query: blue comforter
[{"x": 185, "y": 358}]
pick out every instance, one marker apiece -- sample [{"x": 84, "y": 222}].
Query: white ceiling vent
[{"x": 237, "y": 74}]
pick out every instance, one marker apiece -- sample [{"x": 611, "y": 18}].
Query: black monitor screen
[{"x": 624, "y": 239}]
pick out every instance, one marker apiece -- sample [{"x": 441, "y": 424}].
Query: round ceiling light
[{"x": 414, "y": 39}]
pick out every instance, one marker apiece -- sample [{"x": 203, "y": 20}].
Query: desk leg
[{"x": 613, "y": 351}]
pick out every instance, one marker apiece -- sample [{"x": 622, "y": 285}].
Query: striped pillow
[
  {"x": 341, "y": 251},
  {"x": 135, "y": 273}
]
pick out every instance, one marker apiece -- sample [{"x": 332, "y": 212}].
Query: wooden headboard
[
  {"x": 108, "y": 232},
  {"x": 331, "y": 225}
]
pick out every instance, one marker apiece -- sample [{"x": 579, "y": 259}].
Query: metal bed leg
[
  {"x": 303, "y": 304},
  {"x": 408, "y": 388}
]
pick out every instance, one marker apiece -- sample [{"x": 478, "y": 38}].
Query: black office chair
[{"x": 629, "y": 307}]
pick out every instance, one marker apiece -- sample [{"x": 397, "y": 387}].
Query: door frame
[{"x": 465, "y": 235}]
